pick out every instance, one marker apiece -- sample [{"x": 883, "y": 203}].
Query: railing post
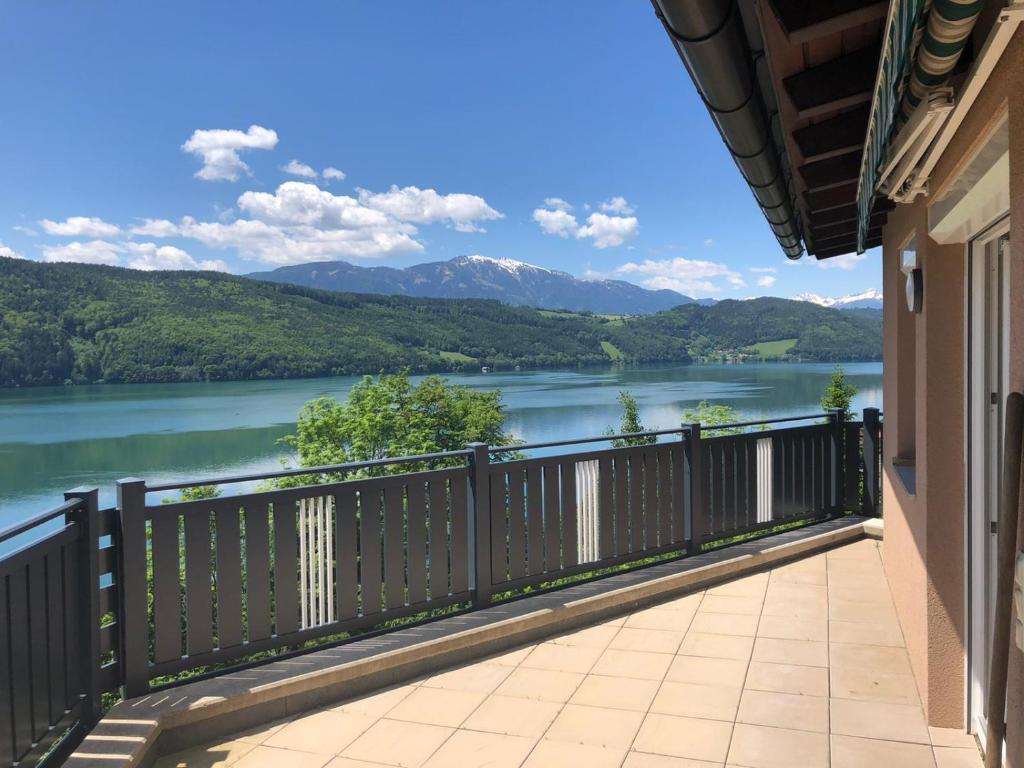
[
  {"x": 88, "y": 517},
  {"x": 134, "y": 618},
  {"x": 696, "y": 510},
  {"x": 480, "y": 520},
  {"x": 837, "y": 417},
  {"x": 870, "y": 500}
]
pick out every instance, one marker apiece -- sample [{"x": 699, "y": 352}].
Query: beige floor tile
[
  {"x": 661, "y": 618},
  {"x": 852, "y": 752},
  {"x": 716, "y": 646},
  {"x": 562, "y": 658},
  {"x": 713, "y": 702},
  {"x": 787, "y": 678},
  {"x": 954, "y": 757},
  {"x": 795, "y": 608},
  {"x": 597, "y": 726},
  {"x": 799, "y": 577},
  {"x": 876, "y": 595},
  {"x": 209, "y": 756},
  {"x": 347, "y": 762},
  {"x": 705, "y": 671},
  {"x": 880, "y": 658},
  {"x": 556, "y": 754},
  {"x": 724, "y": 624},
  {"x": 326, "y": 732},
  {"x": 652, "y": 640},
  {"x": 393, "y": 742},
  {"x": 261, "y": 733},
  {"x": 865, "y": 683},
  {"x": 472, "y": 748},
  {"x": 757, "y": 746},
  {"x": 616, "y": 693},
  {"x": 750, "y": 606},
  {"x": 473, "y": 678},
  {"x": 788, "y": 591},
  {"x": 808, "y": 653},
  {"x": 513, "y": 716},
  {"x": 377, "y": 704},
  {"x": 784, "y": 710},
  {"x": 793, "y": 628},
  {"x": 879, "y": 633},
  {"x": 436, "y": 706},
  {"x": 879, "y": 720},
  {"x": 750, "y": 586},
  {"x": 511, "y": 658},
  {"x": 865, "y": 549},
  {"x": 540, "y": 684},
  {"x": 592, "y": 637},
  {"x": 845, "y": 610},
  {"x": 688, "y": 603},
  {"x": 645, "y": 760},
  {"x": 951, "y": 737},
  {"x": 639, "y": 664},
  {"x": 269, "y": 757},
  {"x": 684, "y": 737}
]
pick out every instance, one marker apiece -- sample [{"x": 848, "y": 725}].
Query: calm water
[{"x": 53, "y": 439}]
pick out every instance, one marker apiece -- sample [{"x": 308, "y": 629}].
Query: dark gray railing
[
  {"x": 133, "y": 596},
  {"x": 57, "y": 649}
]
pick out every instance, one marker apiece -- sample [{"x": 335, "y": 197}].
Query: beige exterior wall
[{"x": 924, "y": 416}]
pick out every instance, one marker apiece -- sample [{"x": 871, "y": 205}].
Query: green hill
[{"x": 81, "y": 323}]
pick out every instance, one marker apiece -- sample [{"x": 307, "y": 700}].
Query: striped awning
[
  {"x": 904, "y": 25},
  {"x": 922, "y": 43}
]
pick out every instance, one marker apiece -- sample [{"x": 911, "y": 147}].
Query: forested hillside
[{"x": 81, "y": 323}]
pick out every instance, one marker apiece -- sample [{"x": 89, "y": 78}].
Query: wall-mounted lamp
[{"x": 915, "y": 278}]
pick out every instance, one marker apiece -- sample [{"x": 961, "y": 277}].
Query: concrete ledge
[{"x": 136, "y": 731}]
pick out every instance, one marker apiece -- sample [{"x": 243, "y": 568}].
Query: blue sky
[{"x": 562, "y": 134}]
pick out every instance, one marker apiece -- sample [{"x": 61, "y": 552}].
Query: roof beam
[
  {"x": 843, "y": 82},
  {"x": 831, "y": 172},
  {"x": 806, "y": 21},
  {"x": 850, "y": 247},
  {"x": 833, "y": 197},
  {"x": 835, "y": 136},
  {"x": 825, "y": 231}
]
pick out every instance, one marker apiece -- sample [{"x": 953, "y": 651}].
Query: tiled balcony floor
[{"x": 801, "y": 666}]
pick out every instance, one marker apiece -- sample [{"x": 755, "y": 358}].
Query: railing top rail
[
  {"x": 45, "y": 517},
  {"x": 759, "y": 422},
  {"x": 580, "y": 440},
  {"x": 349, "y": 467}
]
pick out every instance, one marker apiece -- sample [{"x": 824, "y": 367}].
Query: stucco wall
[{"x": 924, "y": 547}]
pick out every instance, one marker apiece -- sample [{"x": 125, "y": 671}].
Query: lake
[{"x": 55, "y": 438}]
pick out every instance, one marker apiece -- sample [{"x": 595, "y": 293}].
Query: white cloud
[
  {"x": 766, "y": 281},
  {"x": 9, "y": 253},
  {"x": 426, "y": 206},
  {"x": 617, "y": 204},
  {"x": 80, "y": 226},
  {"x": 295, "y": 168},
  {"x": 709, "y": 243},
  {"x": 557, "y": 203},
  {"x": 155, "y": 228},
  {"x": 846, "y": 262},
  {"x": 150, "y": 256},
  {"x": 92, "y": 252},
  {"x": 333, "y": 174},
  {"x": 28, "y": 231},
  {"x": 609, "y": 231},
  {"x": 558, "y": 222},
  {"x": 297, "y": 203},
  {"x": 693, "y": 277},
  {"x": 763, "y": 270},
  {"x": 605, "y": 231},
  {"x": 219, "y": 147}
]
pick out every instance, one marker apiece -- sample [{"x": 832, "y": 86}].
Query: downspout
[{"x": 711, "y": 41}]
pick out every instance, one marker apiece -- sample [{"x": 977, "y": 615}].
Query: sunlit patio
[{"x": 803, "y": 665}]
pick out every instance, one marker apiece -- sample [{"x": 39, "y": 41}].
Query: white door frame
[{"x": 986, "y": 362}]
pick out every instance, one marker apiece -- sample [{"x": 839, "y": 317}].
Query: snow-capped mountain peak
[
  {"x": 870, "y": 299},
  {"x": 509, "y": 265}
]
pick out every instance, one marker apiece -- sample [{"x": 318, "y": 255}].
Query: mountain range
[
  {"x": 481, "y": 277},
  {"x": 870, "y": 299}
]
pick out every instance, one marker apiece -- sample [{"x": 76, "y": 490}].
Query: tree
[
  {"x": 629, "y": 423},
  {"x": 391, "y": 417},
  {"x": 839, "y": 393},
  {"x": 710, "y": 415}
]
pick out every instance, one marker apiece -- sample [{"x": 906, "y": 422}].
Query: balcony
[
  {"x": 801, "y": 665},
  {"x": 575, "y": 569}
]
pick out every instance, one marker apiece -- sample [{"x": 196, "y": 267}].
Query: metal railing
[{"x": 134, "y": 596}]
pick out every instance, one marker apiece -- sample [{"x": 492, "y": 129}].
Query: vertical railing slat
[
  {"x": 198, "y": 593},
  {"x": 650, "y": 498},
  {"x": 552, "y": 518},
  {"x": 55, "y": 601},
  {"x": 438, "y": 539},
  {"x": 229, "y": 578},
  {"x": 257, "y": 571},
  {"x": 535, "y": 520},
  {"x": 499, "y": 524},
  {"x": 417, "y": 535},
  {"x": 605, "y": 507},
  {"x": 346, "y": 567},
  {"x": 570, "y": 521},
  {"x": 621, "y": 468},
  {"x": 8, "y": 754},
  {"x": 516, "y": 525},
  {"x": 370, "y": 550},
  {"x": 21, "y": 678},
  {"x": 38, "y": 642},
  {"x": 166, "y": 587},
  {"x": 286, "y": 585},
  {"x": 458, "y": 521},
  {"x": 394, "y": 545},
  {"x": 636, "y": 500}
]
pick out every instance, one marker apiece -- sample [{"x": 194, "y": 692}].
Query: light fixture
[{"x": 915, "y": 278}]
